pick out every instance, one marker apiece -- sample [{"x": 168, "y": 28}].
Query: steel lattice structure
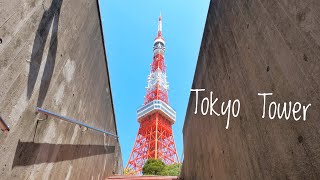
[{"x": 156, "y": 117}]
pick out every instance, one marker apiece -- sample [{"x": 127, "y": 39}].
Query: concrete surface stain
[
  {"x": 19, "y": 108},
  {"x": 74, "y": 135},
  {"x": 69, "y": 172},
  {"x": 50, "y": 132},
  {"x": 80, "y": 106},
  {"x": 54, "y": 156},
  {"x": 69, "y": 70},
  {"x": 59, "y": 94}
]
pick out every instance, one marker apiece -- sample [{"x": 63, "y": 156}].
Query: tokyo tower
[{"x": 156, "y": 117}]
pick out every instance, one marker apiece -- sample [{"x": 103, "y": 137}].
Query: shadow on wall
[
  {"x": 52, "y": 14},
  {"x": 29, "y": 153}
]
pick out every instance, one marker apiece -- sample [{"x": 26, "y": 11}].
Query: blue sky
[{"x": 129, "y": 29}]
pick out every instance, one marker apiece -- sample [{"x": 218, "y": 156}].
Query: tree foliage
[
  {"x": 128, "y": 171},
  {"x": 171, "y": 170},
  {"x": 157, "y": 167},
  {"x": 153, "y": 167}
]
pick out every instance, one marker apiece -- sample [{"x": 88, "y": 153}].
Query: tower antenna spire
[{"x": 160, "y": 25}]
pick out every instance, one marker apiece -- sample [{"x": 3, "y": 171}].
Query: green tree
[
  {"x": 171, "y": 170},
  {"x": 153, "y": 167}
]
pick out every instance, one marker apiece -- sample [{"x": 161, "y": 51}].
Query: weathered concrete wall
[
  {"x": 52, "y": 56},
  {"x": 252, "y": 46}
]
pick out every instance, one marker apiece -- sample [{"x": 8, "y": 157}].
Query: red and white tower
[{"x": 156, "y": 117}]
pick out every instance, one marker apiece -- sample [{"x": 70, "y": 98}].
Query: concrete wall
[
  {"x": 252, "y": 46},
  {"x": 52, "y": 56}
]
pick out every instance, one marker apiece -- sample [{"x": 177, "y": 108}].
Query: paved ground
[{"x": 144, "y": 177}]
